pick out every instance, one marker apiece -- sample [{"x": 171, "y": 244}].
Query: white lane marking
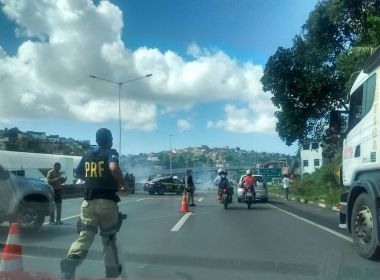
[
  {"x": 141, "y": 199},
  {"x": 313, "y": 223},
  {"x": 71, "y": 217},
  {"x": 181, "y": 222},
  {"x": 153, "y": 218},
  {"x": 201, "y": 199},
  {"x": 64, "y": 219},
  {"x": 71, "y": 199}
]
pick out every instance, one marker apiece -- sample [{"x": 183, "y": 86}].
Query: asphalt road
[{"x": 278, "y": 240}]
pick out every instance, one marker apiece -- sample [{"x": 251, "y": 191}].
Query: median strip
[{"x": 181, "y": 222}]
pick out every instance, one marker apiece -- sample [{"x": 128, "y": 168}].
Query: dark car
[
  {"x": 24, "y": 200},
  {"x": 164, "y": 185}
]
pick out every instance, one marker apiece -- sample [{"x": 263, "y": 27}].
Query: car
[
  {"x": 24, "y": 200},
  {"x": 261, "y": 189},
  {"x": 164, "y": 185}
]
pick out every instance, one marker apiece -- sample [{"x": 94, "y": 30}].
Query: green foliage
[
  {"x": 323, "y": 184},
  {"x": 311, "y": 78},
  {"x": 212, "y": 157}
]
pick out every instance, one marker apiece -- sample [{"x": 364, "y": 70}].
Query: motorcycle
[
  {"x": 226, "y": 197},
  {"x": 249, "y": 196}
]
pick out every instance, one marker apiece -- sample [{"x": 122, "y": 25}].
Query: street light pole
[
  {"x": 120, "y": 85},
  {"x": 170, "y": 153},
  {"x": 120, "y": 90}
]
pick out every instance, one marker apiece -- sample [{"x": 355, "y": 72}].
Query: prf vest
[{"x": 97, "y": 174}]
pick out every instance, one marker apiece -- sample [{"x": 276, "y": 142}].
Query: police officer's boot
[
  {"x": 113, "y": 271},
  {"x": 68, "y": 267}
]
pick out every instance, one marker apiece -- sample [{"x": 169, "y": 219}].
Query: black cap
[{"x": 103, "y": 137}]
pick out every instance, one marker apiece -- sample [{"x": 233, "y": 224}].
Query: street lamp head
[
  {"x": 149, "y": 75},
  {"x": 92, "y": 76}
]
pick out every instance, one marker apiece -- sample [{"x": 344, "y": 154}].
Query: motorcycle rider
[
  {"x": 249, "y": 180},
  {"x": 221, "y": 180}
]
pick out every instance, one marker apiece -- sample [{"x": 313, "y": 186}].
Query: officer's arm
[
  {"x": 186, "y": 181},
  {"x": 79, "y": 171},
  {"x": 113, "y": 160},
  {"x": 116, "y": 173}
]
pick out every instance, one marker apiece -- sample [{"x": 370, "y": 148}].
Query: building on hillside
[
  {"x": 283, "y": 162},
  {"x": 3, "y": 141},
  {"x": 311, "y": 157},
  {"x": 53, "y": 138},
  {"x": 37, "y": 135}
]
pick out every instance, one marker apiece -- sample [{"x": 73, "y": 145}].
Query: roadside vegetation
[
  {"x": 312, "y": 77},
  {"x": 322, "y": 186}
]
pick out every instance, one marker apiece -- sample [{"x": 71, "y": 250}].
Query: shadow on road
[
  {"x": 47, "y": 232},
  {"x": 245, "y": 208},
  {"x": 277, "y": 202}
]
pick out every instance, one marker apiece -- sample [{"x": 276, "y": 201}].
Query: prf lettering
[{"x": 94, "y": 169}]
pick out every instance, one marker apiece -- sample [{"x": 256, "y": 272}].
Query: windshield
[{"x": 117, "y": 117}]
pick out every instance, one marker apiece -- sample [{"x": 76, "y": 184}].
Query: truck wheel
[
  {"x": 30, "y": 217},
  {"x": 151, "y": 192},
  {"x": 363, "y": 233}
]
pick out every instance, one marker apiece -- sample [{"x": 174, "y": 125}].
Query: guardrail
[
  {"x": 72, "y": 190},
  {"x": 77, "y": 190}
]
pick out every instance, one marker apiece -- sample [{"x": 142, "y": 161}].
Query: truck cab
[{"x": 360, "y": 170}]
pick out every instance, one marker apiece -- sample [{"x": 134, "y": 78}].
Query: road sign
[{"x": 269, "y": 173}]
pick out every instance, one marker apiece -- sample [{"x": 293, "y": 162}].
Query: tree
[{"x": 310, "y": 78}]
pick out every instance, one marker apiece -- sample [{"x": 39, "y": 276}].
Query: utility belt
[{"x": 110, "y": 195}]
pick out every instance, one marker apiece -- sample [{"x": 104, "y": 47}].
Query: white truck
[{"x": 360, "y": 169}]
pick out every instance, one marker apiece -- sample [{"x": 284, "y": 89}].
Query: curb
[{"x": 304, "y": 201}]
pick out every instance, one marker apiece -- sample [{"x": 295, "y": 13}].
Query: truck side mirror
[{"x": 338, "y": 122}]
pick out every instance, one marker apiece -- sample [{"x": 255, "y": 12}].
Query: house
[
  {"x": 53, "y": 138},
  {"x": 311, "y": 157},
  {"x": 3, "y": 141}
]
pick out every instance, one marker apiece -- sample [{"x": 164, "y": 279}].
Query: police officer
[
  {"x": 103, "y": 179},
  {"x": 190, "y": 188}
]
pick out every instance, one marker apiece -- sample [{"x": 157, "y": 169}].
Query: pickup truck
[{"x": 24, "y": 200}]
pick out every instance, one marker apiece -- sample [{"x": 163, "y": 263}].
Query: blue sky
[{"x": 206, "y": 58}]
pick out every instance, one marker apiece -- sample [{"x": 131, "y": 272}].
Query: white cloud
[
  {"x": 244, "y": 120},
  {"x": 66, "y": 40},
  {"x": 183, "y": 125},
  {"x": 28, "y": 99}
]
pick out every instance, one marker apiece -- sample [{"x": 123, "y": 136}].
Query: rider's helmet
[
  {"x": 248, "y": 172},
  {"x": 221, "y": 171}
]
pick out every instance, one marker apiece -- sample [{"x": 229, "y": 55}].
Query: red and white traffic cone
[
  {"x": 184, "y": 205},
  {"x": 11, "y": 259}
]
